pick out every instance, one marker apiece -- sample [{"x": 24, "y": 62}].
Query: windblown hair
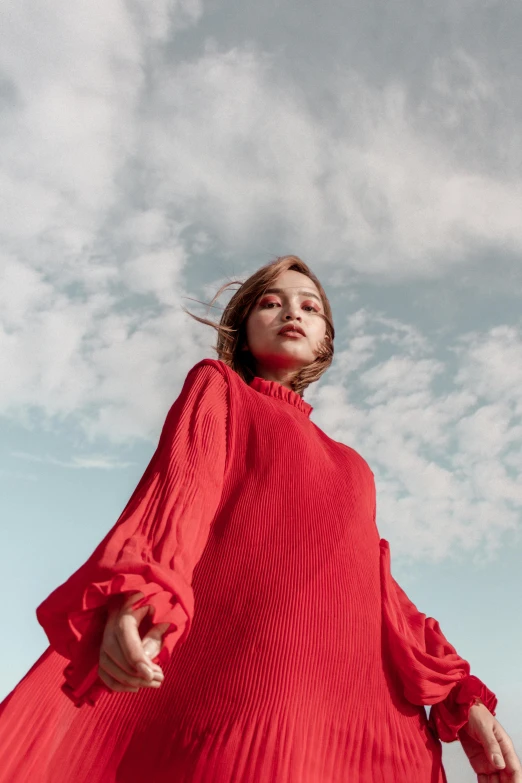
[{"x": 231, "y": 340}]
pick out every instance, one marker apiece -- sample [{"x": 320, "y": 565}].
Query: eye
[
  {"x": 312, "y": 308},
  {"x": 268, "y": 304}
]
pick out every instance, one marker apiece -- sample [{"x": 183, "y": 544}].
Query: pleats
[{"x": 283, "y": 677}]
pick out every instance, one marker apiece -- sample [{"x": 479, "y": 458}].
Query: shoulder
[
  {"x": 212, "y": 383},
  {"x": 213, "y": 378},
  {"x": 204, "y": 394},
  {"x": 212, "y": 367},
  {"x": 212, "y": 371}
]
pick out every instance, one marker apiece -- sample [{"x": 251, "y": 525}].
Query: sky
[{"x": 150, "y": 152}]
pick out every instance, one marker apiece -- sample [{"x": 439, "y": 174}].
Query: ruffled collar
[{"x": 280, "y": 392}]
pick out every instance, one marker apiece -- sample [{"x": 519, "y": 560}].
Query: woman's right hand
[{"x": 126, "y": 659}]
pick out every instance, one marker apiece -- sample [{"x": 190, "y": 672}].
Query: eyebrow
[{"x": 301, "y": 292}]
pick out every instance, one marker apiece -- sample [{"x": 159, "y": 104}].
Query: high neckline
[{"x": 280, "y": 392}]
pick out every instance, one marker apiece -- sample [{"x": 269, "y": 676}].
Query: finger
[
  {"x": 111, "y": 683},
  {"x": 153, "y": 641},
  {"x": 131, "y": 645},
  {"x": 124, "y": 678},
  {"x": 112, "y": 648},
  {"x": 505, "y": 742},
  {"x": 111, "y": 645},
  {"x": 513, "y": 768},
  {"x": 494, "y": 751}
]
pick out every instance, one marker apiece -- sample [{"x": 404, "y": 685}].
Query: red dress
[{"x": 292, "y": 656}]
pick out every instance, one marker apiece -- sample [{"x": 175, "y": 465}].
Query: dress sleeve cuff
[
  {"x": 450, "y": 715},
  {"x": 78, "y": 634}
]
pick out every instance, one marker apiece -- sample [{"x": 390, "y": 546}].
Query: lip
[{"x": 292, "y": 330}]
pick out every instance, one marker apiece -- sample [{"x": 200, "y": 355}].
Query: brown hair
[{"x": 232, "y": 326}]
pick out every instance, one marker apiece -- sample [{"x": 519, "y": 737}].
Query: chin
[{"x": 290, "y": 360}]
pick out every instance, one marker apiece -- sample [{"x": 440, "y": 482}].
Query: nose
[{"x": 293, "y": 313}]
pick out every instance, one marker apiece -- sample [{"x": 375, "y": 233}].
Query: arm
[
  {"x": 450, "y": 715},
  {"x": 433, "y": 673},
  {"x": 431, "y": 670},
  {"x": 156, "y": 542}
]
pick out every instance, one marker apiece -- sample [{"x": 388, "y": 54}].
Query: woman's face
[{"x": 293, "y": 299}]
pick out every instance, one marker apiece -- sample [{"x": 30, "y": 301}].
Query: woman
[{"x": 240, "y": 623}]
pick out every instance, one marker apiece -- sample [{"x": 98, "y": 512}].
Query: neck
[{"x": 282, "y": 376}]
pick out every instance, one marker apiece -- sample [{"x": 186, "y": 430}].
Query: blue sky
[{"x": 151, "y": 151}]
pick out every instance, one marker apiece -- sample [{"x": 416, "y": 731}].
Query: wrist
[
  {"x": 120, "y": 601},
  {"x": 452, "y": 715},
  {"x": 475, "y": 707}
]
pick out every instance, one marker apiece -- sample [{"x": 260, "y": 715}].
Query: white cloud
[
  {"x": 156, "y": 272},
  {"x": 494, "y": 365},
  {"x": 369, "y": 186},
  {"x": 160, "y": 19},
  {"x": 402, "y": 374},
  {"x": 77, "y": 76},
  {"x": 85, "y": 276},
  {"x": 120, "y": 166},
  {"x": 97, "y": 461},
  {"x": 447, "y": 463}
]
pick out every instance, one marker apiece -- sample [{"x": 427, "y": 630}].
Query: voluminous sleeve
[
  {"x": 429, "y": 667},
  {"x": 157, "y": 540}
]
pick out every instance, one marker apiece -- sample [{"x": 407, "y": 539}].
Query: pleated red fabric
[{"x": 292, "y": 655}]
